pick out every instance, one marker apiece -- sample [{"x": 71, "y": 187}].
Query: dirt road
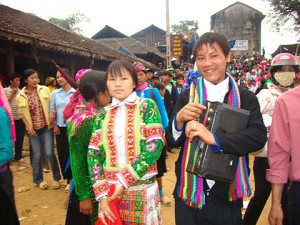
[{"x": 47, "y": 207}]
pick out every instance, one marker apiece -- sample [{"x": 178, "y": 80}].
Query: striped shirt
[{"x": 13, "y": 103}]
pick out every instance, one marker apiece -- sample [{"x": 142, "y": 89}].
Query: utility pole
[{"x": 168, "y": 36}]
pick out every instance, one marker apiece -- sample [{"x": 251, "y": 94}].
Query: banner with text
[
  {"x": 239, "y": 45},
  {"x": 176, "y": 45}
]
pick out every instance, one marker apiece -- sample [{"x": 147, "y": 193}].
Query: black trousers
[
  {"x": 294, "y": 203},
  {"x": 20, "y": 132},
  {"x": 74, "y": 217},
  {"x": 8, "y": 212},
  {"x": 210, "y": 214},
  {"x": 62, "y": 145},
  {"x": 261, "y": 194}
]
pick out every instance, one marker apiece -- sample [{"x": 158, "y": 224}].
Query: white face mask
[{"x": 285, "y": 79}]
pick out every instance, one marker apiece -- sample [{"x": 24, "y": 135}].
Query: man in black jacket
[
  {"x": 167, "y": 77},
  {"x": 199, "y": 200}
]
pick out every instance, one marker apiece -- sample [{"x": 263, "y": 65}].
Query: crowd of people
[{"x": 114, "y": 132}]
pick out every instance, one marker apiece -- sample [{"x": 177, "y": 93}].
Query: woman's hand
[
  {"x": 52, "y": 116},
  {"x": 105, "y": 212},
  {"x": 56, "y": 130},
  {"x": 118, "y": 193},
  {"x": 31, "y": 132},
  {"x": 86, "y": 206}
]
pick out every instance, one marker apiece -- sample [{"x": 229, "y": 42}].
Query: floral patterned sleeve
[
  {"x": 78, "y": 154},
  {"x": 151, "y": 144},
  {"x": 96, "y": 161}
]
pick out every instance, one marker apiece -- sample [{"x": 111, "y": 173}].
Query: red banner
[{"x": 176, "y": 45}]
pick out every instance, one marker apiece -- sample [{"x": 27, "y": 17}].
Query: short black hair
[
  {"x": 13, "y": 76},
  {"x": 91, "y": 84},
  {"x": 210, "y": 38},
  {"x": 167, "y": 72},
  {"x": 115, "y": 69},
  {"x": 179, "y": 76}
]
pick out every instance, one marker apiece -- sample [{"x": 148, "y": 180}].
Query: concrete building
[{"x": 241, "y": 24}]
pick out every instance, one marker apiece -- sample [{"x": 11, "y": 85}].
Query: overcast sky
[{"x": 132, "y": 16}]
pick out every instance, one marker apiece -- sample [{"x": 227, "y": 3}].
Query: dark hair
[
  {"x": 179, "y": 76},
  {"x": 210, "y": 38},
  {"x": 115, "y": 69},
  {"x": 274, "y": 69},
  {"x": 166, "y": 72},
  {"x": 29, "y": 72},
  {"x": 159, "y": 85},
  {"x": 66, "y": 70},
  {"x": 13, "y": 76},
  {"x": 91, "y": 84}
]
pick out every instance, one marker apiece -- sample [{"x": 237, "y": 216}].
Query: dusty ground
[{"x": 47, "y": 207}]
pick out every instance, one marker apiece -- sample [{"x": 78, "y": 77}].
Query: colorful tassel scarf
[{"x": 191, "y": 187}]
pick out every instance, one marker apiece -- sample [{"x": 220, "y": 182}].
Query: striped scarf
[{"x": 191, "y": 187}]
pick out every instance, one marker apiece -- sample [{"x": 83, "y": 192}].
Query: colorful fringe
[{"x": 190, "y": 187}]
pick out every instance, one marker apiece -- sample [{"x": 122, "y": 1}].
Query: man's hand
[
  {"x": 275, "y": 215},
  {"x": 14, "y": 90},
  {"x": 194, "y": 128},
  {"x": 191, "y": 111}
]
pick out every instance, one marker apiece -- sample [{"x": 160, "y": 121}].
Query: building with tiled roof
[
  {"x": 115, "y": 39},
  {"x": 27, "y": 41}
]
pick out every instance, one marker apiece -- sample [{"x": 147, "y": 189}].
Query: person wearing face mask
[{"x": 284, "y": 69}]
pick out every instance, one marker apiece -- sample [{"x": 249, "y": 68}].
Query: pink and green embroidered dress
[{"x": 125, "y": 145}]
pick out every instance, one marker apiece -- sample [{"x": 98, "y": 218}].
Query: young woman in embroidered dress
[
  {"x": 82, "y": 207},
  {"x": 123, "y": 150}
]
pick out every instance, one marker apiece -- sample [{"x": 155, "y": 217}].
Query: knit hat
[{"x": 138, "y": 66}]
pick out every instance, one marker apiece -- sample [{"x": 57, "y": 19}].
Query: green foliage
[
  {"x": 285, "y": 13},
  {"x": 187, "y": 28},
  {"x": 71, "y": 22}
]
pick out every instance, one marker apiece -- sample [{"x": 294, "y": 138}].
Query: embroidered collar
[{"x": 132, "y": 99}]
